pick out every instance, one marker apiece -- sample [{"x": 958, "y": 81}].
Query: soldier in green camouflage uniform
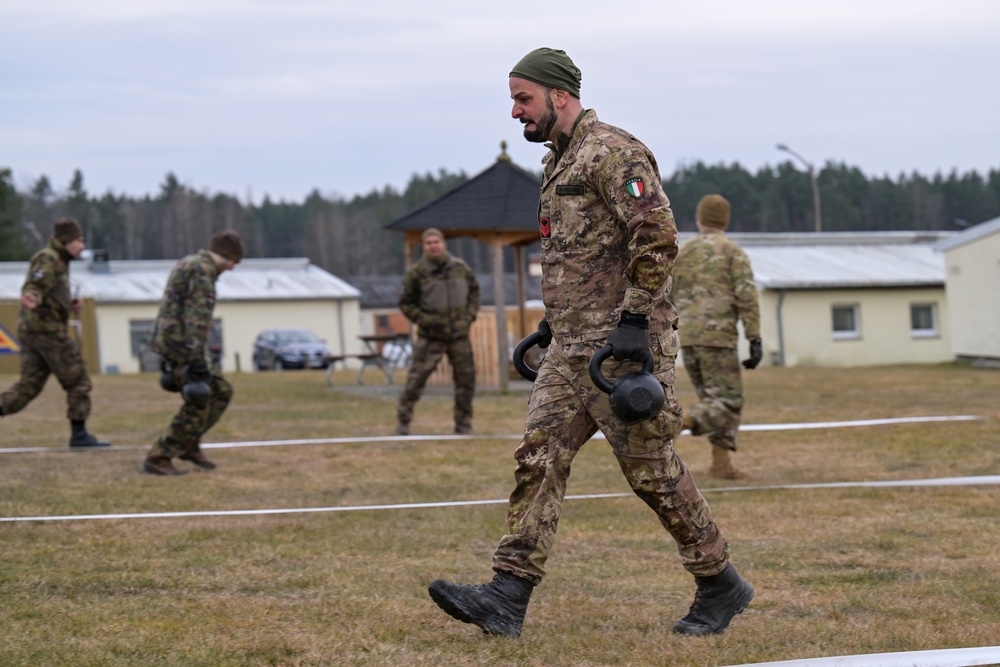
[
  {"x": 608, "y": 241},
  {"x": 181, "y": 339},
  {"x": 441, "y": 296},
  {"x": 42, "y": 326},
  {"x": 713, "y": 289}
]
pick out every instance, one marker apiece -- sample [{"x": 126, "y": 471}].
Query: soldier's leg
[
  {"x": 34, "y": 374},
  {"x": 185, "y": 428},
  {"x": 222, "y": 394},
  {"x": 660, "y": 478},
  {"x": 463, "y": 372},
  {"x": 557, "y": 424},
  {"x": 68, "y": 367},
  {"x": 426, "y": 356},
  {"x": 720, "y": 389}
]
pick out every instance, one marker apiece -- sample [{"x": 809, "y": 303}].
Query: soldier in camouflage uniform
[
  {"x": 42, "y": 326},
  {"x": 608, "y": 241},
  {"x": 713, "y": 289},
  {"x": 441, "y": 296},
  {"x": 181, "y": 339}
]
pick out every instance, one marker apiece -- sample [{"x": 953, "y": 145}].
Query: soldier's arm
[
  {"x": 745, "y": 293},
  {"x": 630, "y": 185},
  {"x": 409, "y": 298},
  {"x": 198, "y": 310},
  {"x": 40, "y": 280},
  {"x": 473, "y": 294}
]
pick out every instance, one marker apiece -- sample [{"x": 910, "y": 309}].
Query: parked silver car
[{"x": 279, "y": 349}]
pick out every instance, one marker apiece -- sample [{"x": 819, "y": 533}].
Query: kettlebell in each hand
[
  {"x": 635, "y": 396},
  {"x": 196, "y": 389},
  {"x": 529, "y": 341}
]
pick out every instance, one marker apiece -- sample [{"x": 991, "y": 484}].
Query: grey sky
[{"x": 280, "y": 97}]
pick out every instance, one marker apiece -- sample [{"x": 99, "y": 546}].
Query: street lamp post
[{"x": 812, "y": 179}]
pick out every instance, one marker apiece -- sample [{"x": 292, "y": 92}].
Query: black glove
[
  {"x": 756, "y": 354},
  {"x": 546, "y": 331},
  {"x": 631, "y": 339}
]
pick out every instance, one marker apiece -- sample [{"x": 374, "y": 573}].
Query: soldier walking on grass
[
  {"x": 181, "y": 339},
  {"x": 42, "y": 326},
  {"x": 608, "y": 241},
  {"x": 441, "y": 296},
  {"x": 713, "y": 289}
]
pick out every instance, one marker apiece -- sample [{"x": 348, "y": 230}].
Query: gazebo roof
[{"x": 500, "y": 201}]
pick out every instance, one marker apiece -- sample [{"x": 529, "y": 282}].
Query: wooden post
[{"x": 503, "y": 352}]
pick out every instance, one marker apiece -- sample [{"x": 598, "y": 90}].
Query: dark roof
[
  {"x": 383, "y": 291},
  {"x": 504, "y": 198}
]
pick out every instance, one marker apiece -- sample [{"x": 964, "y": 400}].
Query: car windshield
[{"x": 297, "y": 337}]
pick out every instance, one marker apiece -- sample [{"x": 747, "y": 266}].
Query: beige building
[
  {"x": 850, "y": 299},
  {"x": 972, "y": 273},
  {"x": 259, "y": 294}
]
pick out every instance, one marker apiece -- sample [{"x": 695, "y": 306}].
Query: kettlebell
[
  {"x": 196, "y": 389},
  {"x": 167, "y": 382},
  {"x": 529, "y": 341},
  {"x": 635, "y": 396}
]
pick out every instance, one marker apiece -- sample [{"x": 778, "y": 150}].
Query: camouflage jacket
[
  {"x": 442, "y": 299},
  {"x": 185, "y": 318},
  {"x": 608, "y": 238},
  {"x": 48, "y": 281},
  {"x": 713, "y": 287}
]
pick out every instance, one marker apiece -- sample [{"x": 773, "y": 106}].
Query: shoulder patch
[
  {"x": 635, "y": 187},
  {"x": 39, "y": 274}
]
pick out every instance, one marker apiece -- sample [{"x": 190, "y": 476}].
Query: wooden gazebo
[{"x": 499, "y": 207}]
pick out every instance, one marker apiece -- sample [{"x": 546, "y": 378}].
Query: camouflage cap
[
  {"x": 713, "y": 211},
  {"x": 227, "y": 244},
  {"x": 550, "y": 67},
  {"x": 67, "y": 230}
]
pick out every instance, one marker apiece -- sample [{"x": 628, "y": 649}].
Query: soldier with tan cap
[{"x": 713, "y": 289}]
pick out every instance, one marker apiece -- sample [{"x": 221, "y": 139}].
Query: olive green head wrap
[{"x": 550, "y": 67}]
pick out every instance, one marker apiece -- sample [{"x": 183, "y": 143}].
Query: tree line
[{"x": 348, "y": 236}]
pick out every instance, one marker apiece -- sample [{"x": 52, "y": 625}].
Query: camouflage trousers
[
  {"x": 193, "y": 421},
  {"x": 427, "y": 355},
  {"x": 715, "y": 374},
  {"x": 45, "y": 353},
  {"x": 564, "y": 411}
]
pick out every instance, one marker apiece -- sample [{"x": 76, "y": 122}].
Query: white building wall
[
  {"x": 338, "y": 322},
  {"x": 884, "y": 314},
  {"x": 972, "y": 275}
]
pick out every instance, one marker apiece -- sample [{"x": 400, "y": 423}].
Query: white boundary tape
[
  {"x": 941, "y": 481},
  {"x": 953, "y": 657},
  {"x": 427, "y": 438}
]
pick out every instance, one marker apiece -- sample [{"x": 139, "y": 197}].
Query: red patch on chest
[{"x": 544, "y": 228}]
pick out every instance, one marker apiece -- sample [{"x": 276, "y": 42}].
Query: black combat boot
[
  {"x": 717, "y": 600},
  {"x": 81, "y": 439},
  {"x": 497, "y": 607}
]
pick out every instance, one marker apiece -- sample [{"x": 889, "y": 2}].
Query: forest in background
[{"x": 347, "y": 237}]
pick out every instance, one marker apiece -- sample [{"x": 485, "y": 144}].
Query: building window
[
  {"x": 923, "y": 320},
  {"x": 846, "y": 322}
]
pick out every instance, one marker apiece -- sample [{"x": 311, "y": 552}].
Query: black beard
[{"x": 543, "y": 126}]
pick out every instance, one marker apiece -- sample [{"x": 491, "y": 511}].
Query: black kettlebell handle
[
  {"x": 597, "y": 376},
  {"x": 526, "y": 371}
]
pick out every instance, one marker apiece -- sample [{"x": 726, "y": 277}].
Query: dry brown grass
[{"x": 837, "y": 570}]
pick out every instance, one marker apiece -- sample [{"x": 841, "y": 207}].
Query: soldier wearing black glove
[
  {"x": 546, "y": 331},
  {"x": 630, "y": 341},
  {"x": 756, "y": 354}
]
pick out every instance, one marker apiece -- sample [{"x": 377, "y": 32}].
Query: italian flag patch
[{"x": 634, "y": 187}]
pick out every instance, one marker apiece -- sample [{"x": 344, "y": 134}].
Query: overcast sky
[{"x": 281, "y": 97}]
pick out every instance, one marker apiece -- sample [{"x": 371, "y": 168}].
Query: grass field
[{"x": 837, "y": 570}]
